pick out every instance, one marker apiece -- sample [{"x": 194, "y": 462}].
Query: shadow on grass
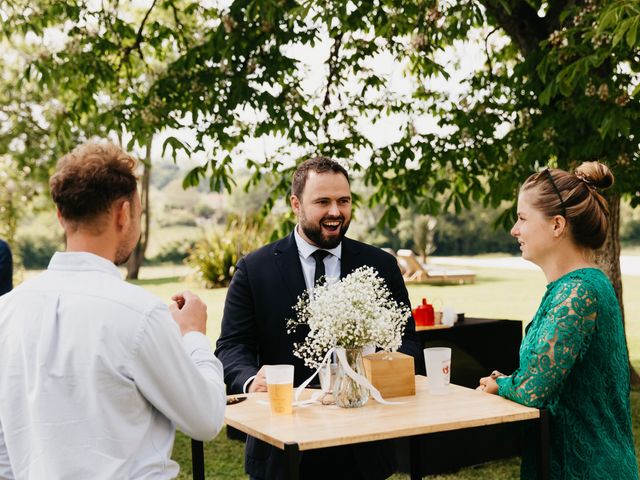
[
  {"x": 486, "y": 279},
  {"x": 478, "y": 281},
  {"x": 157, "y": 281}
]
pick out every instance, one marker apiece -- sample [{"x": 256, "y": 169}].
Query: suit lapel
[
  {"x": 288, "y": 263},
  {"x": 350, "y": 259}
]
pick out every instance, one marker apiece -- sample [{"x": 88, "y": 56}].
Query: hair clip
[
  {"x": 555, "y": 187},
  {"x": 582, "y": 177}
]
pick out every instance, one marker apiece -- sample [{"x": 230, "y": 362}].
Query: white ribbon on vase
[
  {"x": 316, "y": 395},
  {"x": 356, "y": 377}
]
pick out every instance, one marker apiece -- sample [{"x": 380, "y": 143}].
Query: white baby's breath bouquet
[{"x": 356, "y": 311}]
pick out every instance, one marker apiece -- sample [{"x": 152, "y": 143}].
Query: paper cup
[
  {"x": 438, "y": 362},
  {"x": 280, "y": 388}
]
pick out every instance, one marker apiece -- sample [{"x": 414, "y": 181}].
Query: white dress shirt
[
  {"x": 331, "y": 262},
  {"x": 95, "y": 377}
]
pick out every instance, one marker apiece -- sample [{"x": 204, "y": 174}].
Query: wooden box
[{"x": 392, "y": 373}]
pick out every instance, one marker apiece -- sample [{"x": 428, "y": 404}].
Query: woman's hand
[{"x": 488, "y": 384}]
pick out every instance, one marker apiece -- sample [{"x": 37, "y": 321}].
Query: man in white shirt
[{"x": 95, "y": 374}]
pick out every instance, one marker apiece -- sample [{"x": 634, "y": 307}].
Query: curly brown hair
[{"x": 90, "y": 178}]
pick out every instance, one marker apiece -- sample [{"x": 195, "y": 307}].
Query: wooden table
[{"x": 320, "y": 426}]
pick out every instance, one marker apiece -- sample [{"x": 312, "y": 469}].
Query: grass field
[{"x": 510, "y": 294}]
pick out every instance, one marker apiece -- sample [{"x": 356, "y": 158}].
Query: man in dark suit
[
  {"x": 6, "y": 268},
  {"x": 261, "y": 297}
]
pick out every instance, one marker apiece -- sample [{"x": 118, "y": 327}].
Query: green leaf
[
  {"x": 192, "y": 178},
  {"x": 631, "y": 33},
  {"x": 606, "y": 125},
  {"x": 608, "y": 20},
  {"x": 620, "y": 31},
  {"x": 175, "y": 145},
  {"x": 547, "y": 93}
]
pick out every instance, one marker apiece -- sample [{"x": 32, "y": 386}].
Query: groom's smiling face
[{"x": 324, "y": 209}]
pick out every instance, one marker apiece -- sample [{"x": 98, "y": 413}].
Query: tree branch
[
  {"x": 521, "y": 23},
  {"x": 139, "y": 37},
  {"x": 179, "y": 26},
  {"x": 333, "y": 60},
  {"x": 486, "y": 50}
]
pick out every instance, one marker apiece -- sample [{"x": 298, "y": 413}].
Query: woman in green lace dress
[{"x": 573, "y": 359}]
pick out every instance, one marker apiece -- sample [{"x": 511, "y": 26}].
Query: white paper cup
[
  {"x": 280, "y": 388},
  {"x": 438, "y": 362}
]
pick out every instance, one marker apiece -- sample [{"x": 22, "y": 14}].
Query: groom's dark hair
[{"x": 317, "y": 165}]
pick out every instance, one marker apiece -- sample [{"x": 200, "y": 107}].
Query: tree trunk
[
  {"x": 608, "y": 258},
  {"x": 137, "y": 256}
]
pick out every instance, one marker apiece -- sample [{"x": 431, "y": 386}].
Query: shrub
[
  {"x": 174, "y": 252},
  {"x": 629, "y": 224},
  {"x": 37, "y": 247},
  {"x": 177, "y": 216},
  {"x": 214, "y": 258},
  {"x": 472, "y": 232}
]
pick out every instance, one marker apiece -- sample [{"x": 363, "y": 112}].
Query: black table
[{"x": 478, "y": 346}]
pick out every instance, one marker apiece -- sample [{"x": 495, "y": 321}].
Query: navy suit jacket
[
  {"x": 260, "y": 299},
  {"x": 6, "y": 268}
]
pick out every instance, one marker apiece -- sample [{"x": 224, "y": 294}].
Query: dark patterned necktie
[{"x": 318, "y": 256}]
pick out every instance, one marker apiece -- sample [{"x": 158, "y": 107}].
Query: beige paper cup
[{"x": 438, "y": 363}]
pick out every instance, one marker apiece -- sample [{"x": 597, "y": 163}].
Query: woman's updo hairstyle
[{"x": 575, "y": 196}]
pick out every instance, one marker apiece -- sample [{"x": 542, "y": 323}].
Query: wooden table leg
[
  {"x": 197, "y": 459},
  {"x": 415, "y": 461},
  {"x": 544, "y": 446},
  {"x": 292, "y": 455}
]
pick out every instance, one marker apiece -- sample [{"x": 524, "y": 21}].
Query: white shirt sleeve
[
  {"x": 245, "y": 387},
  {"x": 180, "y": 376}
]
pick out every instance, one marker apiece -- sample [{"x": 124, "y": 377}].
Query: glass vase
[{"x": 346, "y": 391}]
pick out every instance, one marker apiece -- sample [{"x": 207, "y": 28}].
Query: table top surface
[
  {"x": 424, "y": 328},
  {"x": 319, "y": 426},
  {"x": 467, "y": 322}
]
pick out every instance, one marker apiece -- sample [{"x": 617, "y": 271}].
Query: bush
[
  {"x": 173, "y": 252},
  {"x": 178, "y": 217},
  {"x": 215, "y": 257},
  {"x": 629, "y": 224},
  {"x": 472, "y": 232},
  {"x": 37, "y": 247}
]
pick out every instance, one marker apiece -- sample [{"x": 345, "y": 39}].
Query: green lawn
[{"x": 496, "y": 294}]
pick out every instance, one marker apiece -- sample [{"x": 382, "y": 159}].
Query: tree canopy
[{"x": 558, "y": 85}]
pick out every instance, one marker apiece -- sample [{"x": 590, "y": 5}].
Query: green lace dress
[{"x": 573, "y": 361}]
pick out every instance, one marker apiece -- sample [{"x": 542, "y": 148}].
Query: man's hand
[
  {"x": 189, "y": 312},
  {"x": 259, "y": 384}
]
